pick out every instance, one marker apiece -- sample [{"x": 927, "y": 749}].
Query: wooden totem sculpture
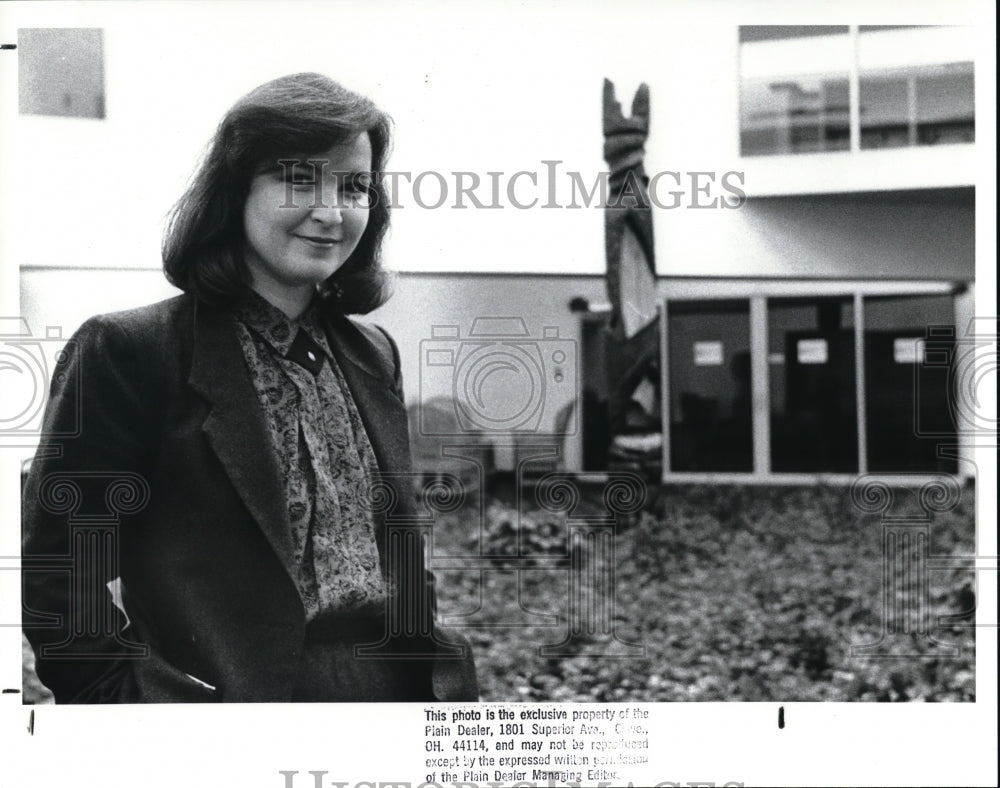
[{"x": 633, "y": 348}]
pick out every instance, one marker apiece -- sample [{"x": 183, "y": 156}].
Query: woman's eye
[
  {"x": 301, "y": 179},
  {"x": 297, "y": 175},
  {"x": 361, "y": 188},
  {"x": 360, "y": 194}
]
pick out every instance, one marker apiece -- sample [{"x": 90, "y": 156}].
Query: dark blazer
[{"x": 171, "y": 455}]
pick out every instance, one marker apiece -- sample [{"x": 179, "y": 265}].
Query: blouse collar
[{"x": 275, "y": 327}]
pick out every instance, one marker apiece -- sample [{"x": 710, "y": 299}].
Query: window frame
[{"x": 758, "y": 294}]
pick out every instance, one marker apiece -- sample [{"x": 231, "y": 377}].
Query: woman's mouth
[{"x": 319, "y": 241}]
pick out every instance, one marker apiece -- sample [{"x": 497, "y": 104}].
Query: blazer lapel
[
  {"x": 237, "y": 431},
  {"x": 236, "y": 428},
  {"x": 384, "y": 417},
  {"x": 381, "y": 410}
]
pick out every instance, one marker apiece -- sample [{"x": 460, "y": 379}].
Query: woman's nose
[{"x": 328, "y": 210}]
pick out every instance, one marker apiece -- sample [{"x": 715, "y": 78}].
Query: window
[
  {"x": 924, "y": 105},
  {"x": 907, "y": 399},
  {"x": 802, "y": 115},
  {"x": 812, "y": 385},
  {"x": 710, "y": 396},
  {"x": 61, "y": 71},
  {"x": 795, "y": 89},
  {"x": 838, "y": 384},
  {"x": 915, "y": 86}
]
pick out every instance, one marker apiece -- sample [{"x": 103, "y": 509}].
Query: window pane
[
  {"x": 885, "y": 112},
  {"x": 794, "y": 94},
  {"x": 881, "y": 28},
  {"x": 804, "y": 114},
  {"x": 775, "y": 32},
  {"x": 710, "y": 419},
  {"x": 915, "y": 87},
  {"x": 812, "y": 382},
  {"x": 945, "y": 99},
  {"x": 919, "y": 105},
  {"x": 61, "y": 71},
  {"x": 907, "y": 406}
]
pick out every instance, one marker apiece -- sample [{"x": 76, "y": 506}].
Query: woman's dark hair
[{"x": 299, "y": 114}]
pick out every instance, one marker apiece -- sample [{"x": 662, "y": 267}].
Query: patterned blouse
[{"x": 324, "y": 452}]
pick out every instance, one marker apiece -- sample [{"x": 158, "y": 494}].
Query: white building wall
[
  {"x": 84, "y": 200},
  {"x": 503, "y": 93}
]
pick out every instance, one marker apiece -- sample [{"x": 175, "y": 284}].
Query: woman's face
[{"x": 303, "y": 220}]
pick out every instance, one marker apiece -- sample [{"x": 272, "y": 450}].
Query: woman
[{"x": 230, "y": 446}]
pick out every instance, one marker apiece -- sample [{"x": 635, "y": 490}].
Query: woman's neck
[{"x": 293, "y": 302}]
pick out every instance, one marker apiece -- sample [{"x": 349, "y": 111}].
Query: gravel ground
[
  {"x": 711, "y": 593},
  {"x": 733, "y": 593}
]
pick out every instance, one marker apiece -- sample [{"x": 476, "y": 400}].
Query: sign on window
[
  {"x": 812, "y": 351},
  {"x": 708, "y": 354}
]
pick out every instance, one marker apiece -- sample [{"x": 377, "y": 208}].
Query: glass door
[
  {"x": 906, "y": 398},
  {"x": 813, "y": 394},
  {"x": 710, "y": 388}
]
